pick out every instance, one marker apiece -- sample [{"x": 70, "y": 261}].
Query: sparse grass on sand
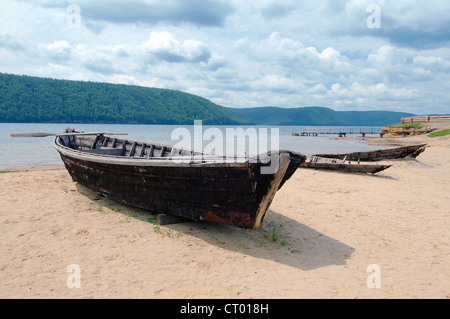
[{"x": 439, "y": 133}]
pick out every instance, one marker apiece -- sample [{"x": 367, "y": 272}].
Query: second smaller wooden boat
[
  {"x": 339, "y": 165},
  {"x": 411, "y": 151}
]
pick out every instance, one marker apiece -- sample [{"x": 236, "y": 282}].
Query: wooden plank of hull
[
  {"x": 380, "y": 154},
  {"x": 236, "y": 195}
]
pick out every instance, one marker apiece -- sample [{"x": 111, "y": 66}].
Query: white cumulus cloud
[{"x": 164, "y": 46}]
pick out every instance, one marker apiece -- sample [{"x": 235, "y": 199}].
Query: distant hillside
[
  {"x": 32, "y": 99},
  {"x": 320, "y": 116}
]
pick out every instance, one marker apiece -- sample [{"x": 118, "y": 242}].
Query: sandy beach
[{"x": 335, "y": 229}]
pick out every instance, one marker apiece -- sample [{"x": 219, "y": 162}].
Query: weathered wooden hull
[
  {"x": 339, "y": 165},
  {"x": 232, "y": 193},
  {"x": 381, "y": 154}
]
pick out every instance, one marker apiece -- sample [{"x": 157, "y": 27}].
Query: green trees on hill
[{"x": 33, "y": 99}]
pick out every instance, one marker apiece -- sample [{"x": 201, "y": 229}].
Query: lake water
[{"x": 32, "y": 152}]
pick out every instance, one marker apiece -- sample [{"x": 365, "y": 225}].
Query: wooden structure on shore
[
  {"x": 235, "y": 191},
  {"x": 426, "y": 119},
  {"x": 404, "y": 132}
]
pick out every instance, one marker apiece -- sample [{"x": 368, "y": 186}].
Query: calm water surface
[{"x": 32, "y": 152}]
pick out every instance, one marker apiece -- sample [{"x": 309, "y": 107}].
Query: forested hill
[
  {"x": 40, "y": 100},
  {"x": 27, "y": 99},
  {"x": 320, "y": 116}
]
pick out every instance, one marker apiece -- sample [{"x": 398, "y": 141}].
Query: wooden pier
[
  {"x": 363, "y": 134},
  {"x": 340, "y": 133}
]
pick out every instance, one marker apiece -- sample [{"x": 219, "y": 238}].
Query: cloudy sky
[{"x": 346, "y": 55}]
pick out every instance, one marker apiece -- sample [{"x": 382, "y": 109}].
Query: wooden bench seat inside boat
[{"x": 107, "y": 151}]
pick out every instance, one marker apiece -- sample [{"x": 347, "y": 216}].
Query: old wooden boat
[
  {"x": 235, "y": 191},
  {"x": 411, "y": 151},
  {"x": 339, "y": 165}
]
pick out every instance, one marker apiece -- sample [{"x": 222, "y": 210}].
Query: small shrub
[{"x": 276, "y": 232}]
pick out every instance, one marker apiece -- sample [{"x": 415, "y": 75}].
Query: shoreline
[
  {"x": 43, "y": 167},
  {"x": 333, "y": 226}
]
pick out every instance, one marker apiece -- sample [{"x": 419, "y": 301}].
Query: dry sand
[{"x": 333, "y": 226}]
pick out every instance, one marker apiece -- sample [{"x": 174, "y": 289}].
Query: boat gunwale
[
  {"x": 203, "y": 160},
  {"x": 139, "y": 161}
]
